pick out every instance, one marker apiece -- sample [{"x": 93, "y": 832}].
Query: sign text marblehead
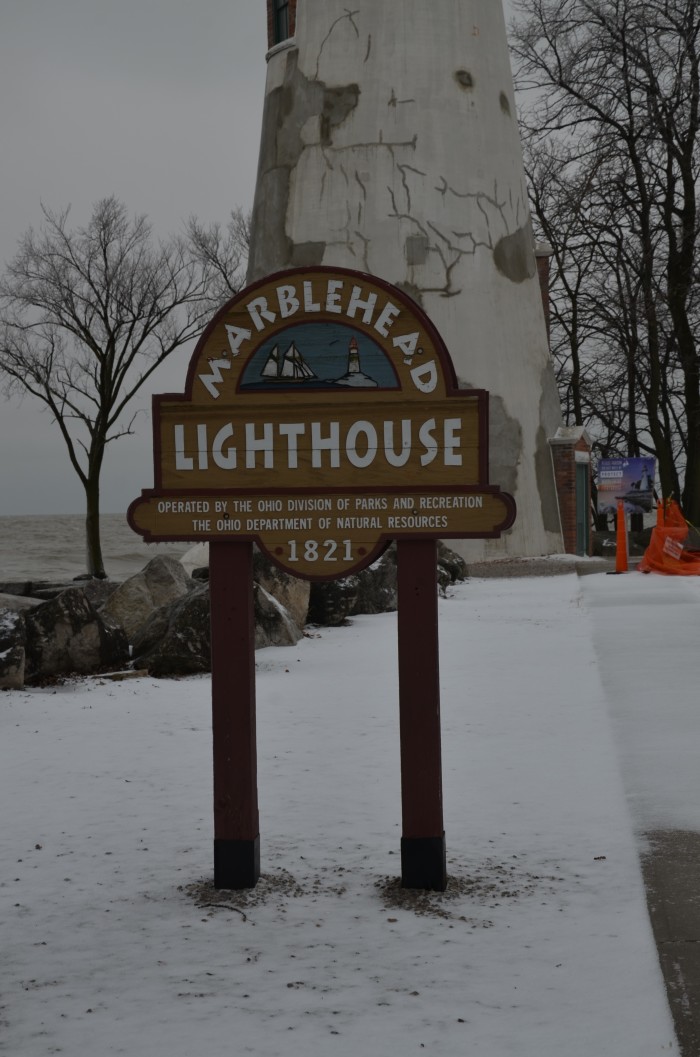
[{"x": 321, "y": 418}]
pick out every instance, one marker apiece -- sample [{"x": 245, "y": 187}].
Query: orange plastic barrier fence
[{"x": 665, "y": 553}]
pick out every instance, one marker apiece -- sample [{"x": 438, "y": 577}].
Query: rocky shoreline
[{"x": 158, "y": 619}]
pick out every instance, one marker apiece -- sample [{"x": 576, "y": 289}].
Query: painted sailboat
[{"x": 287, "y": 367}]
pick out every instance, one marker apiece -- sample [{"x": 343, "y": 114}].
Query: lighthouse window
[{"x": 281, "y": 9}]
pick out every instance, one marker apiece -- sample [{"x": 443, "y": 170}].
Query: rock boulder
[
  {"x": 176, "y": 640},
  {"x": 68, "y": 635},
  {"x": 12, "y": 639},
  {"x": 453, "y": 564},
  {"x": 162, "y": 581},
  {"x": 374, "y": 590},
  {"x": 17, "y": 603},
  {"x": 12, "y": 662},
  {"x": 273, "y": 623},
  {"x": 332, "y": 601},
  {"x": 292, "y": 592}
]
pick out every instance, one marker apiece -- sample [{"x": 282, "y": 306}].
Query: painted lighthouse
[
  {"x": 390, "y": 146},
  {"x": 355, "y": 377}
]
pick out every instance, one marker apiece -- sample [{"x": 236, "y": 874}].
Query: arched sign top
[
  {"x": 321, "y": 418},
  {"x": 324, "y": 333}
]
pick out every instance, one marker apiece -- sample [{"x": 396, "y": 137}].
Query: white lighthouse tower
[{"x": 390, "y": 145}]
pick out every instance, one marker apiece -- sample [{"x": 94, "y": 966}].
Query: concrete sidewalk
[
  {"x": 656, "y": 735},
  {"x": 549, "y": 565},
  {"x": 671, "y": 870},
  {"x": 651, "y": 688}
]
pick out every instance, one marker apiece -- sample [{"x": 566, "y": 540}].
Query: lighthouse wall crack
[{"x": 347, "y": 17}]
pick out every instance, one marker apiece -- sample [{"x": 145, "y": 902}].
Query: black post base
[
  {"x": 236, "y": 863},
  {"x": 424, "y": 863}
]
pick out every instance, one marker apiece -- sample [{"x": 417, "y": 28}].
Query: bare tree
[
  {"x": 558, "y": 197},
  {"x": 222, "y": 252},
  {"x": 87, "y": 314},
  {"x": 614, "y": 87}
]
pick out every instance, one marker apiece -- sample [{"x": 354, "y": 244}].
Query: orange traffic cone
[
  {"x": 621, "y": 550},
  {"x": 660, "y": 518}
]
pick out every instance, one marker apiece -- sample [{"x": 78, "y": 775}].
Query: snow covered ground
[
  {"x": 113, "y": 941},
  {"x": 647, "y": 637}
]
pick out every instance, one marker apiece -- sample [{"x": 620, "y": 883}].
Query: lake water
[{"x": 46, "y": 547}]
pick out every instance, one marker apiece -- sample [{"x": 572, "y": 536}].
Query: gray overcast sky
[{"x": 155, "y": 101}]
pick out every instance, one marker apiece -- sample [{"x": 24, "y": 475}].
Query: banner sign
[
  {"x": 629, "y": 479},
  {"x": 321, "y": 419}
]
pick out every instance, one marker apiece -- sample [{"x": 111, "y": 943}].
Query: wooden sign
[{"x": 321, "y": 419}]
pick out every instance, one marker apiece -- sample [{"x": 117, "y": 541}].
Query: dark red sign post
[
  {"x": 236, "y": 823},
  {"x": 423, "y": 854},
  {"x": 321, "y": 419}
]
